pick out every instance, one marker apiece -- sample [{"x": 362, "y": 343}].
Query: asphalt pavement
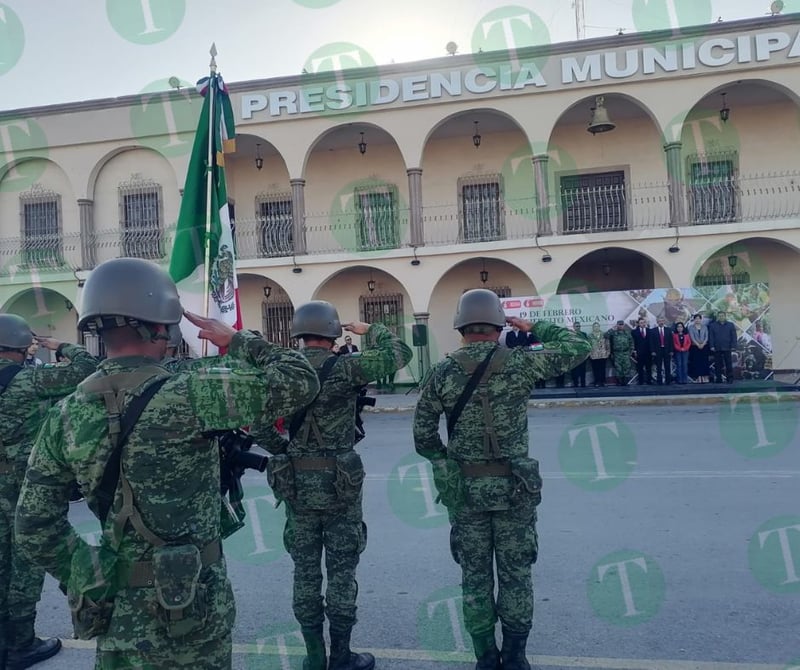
[{"x": 669, "y": 540}]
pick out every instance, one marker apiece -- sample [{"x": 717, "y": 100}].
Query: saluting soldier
[
  {"x": 135, "y": 436},
  {"x": 484, "y": 476},
  {"x": 26, "y": 393}
]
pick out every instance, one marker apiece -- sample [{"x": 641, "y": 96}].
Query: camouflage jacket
[
  {"x": 334, "y": 411},
  {"x": 620, "y": 340},
  {"x": 24, "y": 404},
  {"x": 168, "y": 460},
  {"x": 508, "y": 392}
]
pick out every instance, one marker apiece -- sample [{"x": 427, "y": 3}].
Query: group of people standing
[
  {"x": 138, "y": 434},
  {"x": 689, "y": 346}
]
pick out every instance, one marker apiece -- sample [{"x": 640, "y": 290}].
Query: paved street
[{"x": 669, "y": 540}]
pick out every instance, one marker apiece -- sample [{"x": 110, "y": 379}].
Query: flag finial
[{"x": 213, "y": 52}]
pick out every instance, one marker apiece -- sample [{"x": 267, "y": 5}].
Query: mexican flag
[{"x": 203, "y": 263}]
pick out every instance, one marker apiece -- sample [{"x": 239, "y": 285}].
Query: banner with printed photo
[{"x": 747, "y": 306}]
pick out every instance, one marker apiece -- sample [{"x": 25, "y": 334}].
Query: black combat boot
[
  {"x": 35, "y": 652},
  {"x": 344, "y": 659},
  {"x": 486, "y": 651},
  {"x": 316, "y": 658},
  {"x": 513, "y": 651}
]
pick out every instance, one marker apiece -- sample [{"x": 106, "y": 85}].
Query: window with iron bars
[
  {"x": 275, "y": 226},
  {"x": 377, "y": 220},
  {"x": 713, "y": 189},
  {"x": 276, "y": 322},
  {"x": 42, "y": 245},
  {"x": 140, "y": 205},
  {"x": 481, "y": 209},
  {"x": 384, "y": 308},
  {"x": 594, "y": 203}
]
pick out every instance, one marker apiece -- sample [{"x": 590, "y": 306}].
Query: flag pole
[{"x": 212, "y": 84}]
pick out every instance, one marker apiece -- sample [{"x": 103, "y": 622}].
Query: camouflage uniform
[
  {"x": 621, "y": 343},
  {"x": 23, "y": 407},
  {"x": 174, "y": 479},
  {"x": 484, "y": 476},
  {"x": 323, "y": 503}
]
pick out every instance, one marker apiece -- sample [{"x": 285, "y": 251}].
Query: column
[
  {"x": 544, "y": 225},
  {"x": 424, "y": 353},
  {"x": 415, "y": 207},
  {"x": 88, "y": 242},
  {"x": 677, "y": 216},
  {"x": 298, "y": 215}
]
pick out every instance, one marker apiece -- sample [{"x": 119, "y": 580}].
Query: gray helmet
[
  {"x": 128, "y": 289},
  {"x": 15, "y": 333},
  {"x": 318, "y": 318},
  {"x": 175, "y": 337},
  {"x": 479, "y": 305}
]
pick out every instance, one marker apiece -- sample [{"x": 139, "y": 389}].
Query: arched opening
[
  {"x": 267, "y": 308},
  {"x": 477, "y": 178},
  {"x": 613, "y": 269},
  {"x": 364, "y": 206},
  {"x": 48, "y": 313}
]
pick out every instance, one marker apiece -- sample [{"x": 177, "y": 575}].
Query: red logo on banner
[
  {"x": 534, "y": 302},
  {"x": 512, "y": 304}
]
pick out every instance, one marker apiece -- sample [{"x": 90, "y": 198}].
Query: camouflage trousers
[
  {"x": 341, "y": 532},
  {"x": 623, "y": 364},
  {"x": 213, "y": 655},
  {"x": 507, "y": 539},
  {"x": 21, "y": 582}
]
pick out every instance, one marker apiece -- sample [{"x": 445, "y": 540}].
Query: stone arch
[
  {"x": 107, "y": 158},
  {"x": 614, "y": 269},
  {"x": 48, "y": 312},
  {"x": 269, "y": 314}
]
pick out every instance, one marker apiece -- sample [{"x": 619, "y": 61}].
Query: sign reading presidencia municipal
[{"x": 542, "y": 71}]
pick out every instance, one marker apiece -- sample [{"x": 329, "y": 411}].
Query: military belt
[
  {"x": 493, "y": 469},
  {"x": 142, "y": 574},
  {"x": 314, "y": 463}
]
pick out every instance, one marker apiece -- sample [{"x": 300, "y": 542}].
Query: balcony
[{"x": 378, "y": 225}]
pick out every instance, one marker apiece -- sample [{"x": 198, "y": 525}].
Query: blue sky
[{"x": 54, "y": 51}]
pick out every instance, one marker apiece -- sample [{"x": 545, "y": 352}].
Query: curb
[{"x": 637, "y": 401}]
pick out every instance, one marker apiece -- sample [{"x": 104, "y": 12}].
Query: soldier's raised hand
[
  {"x": 357, "y": 327},
  {"x": 214, "y": 331},
  {"x": 524, "y": 325},
  {"x": 48, "y": 343}
]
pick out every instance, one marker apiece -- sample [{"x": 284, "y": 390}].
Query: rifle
[{"x": 362, "y": 401}]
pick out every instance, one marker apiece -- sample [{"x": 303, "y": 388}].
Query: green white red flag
[{"x": 203, "y": 264}]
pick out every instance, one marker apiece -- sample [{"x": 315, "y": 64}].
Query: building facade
[{"x": 390, "y": 190}]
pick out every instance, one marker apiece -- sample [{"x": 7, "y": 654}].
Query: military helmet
[
  {"x": 317, "y": 317},
  {"x": 122, "y": 290},
  {"x": 15, "y": 333},
  {"x": 175, "y": 336},
  {"x": 479, "y": 305}
]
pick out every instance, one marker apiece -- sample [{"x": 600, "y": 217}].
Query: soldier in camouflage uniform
[
  {"x": 621, "y": 344},
  {"x": 26, "y": 393},
  {"x": 484, "y": 476},
  {"x": 319, "y": 475},
  {"x": 155, "y": 592}
]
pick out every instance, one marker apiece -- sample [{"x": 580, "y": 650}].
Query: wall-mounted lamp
[
  {"x": 68, "y": 304},
  {"x": 674, "y": 249},
  {"x": 606, "y": 269},
  {"x": 484, "y": 274},
  {"x": 476, "y": 137},
  {"x": 371, "y": 283},
  {"x": 546, "y": 257},
  {"x": 267, "y": 292},
  {"x": 259, "y": 159},
  {"x": 600, "y": 122},
  {"x": 725, "y": 111},
  {"x": 415, "y": 261},
  {"x": 732, "y": 260},
  {"x": 362, "y": 145},
  {"x": 296, "y": 269}
]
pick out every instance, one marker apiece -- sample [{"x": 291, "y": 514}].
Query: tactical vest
[{"x": 491, "y": 445}]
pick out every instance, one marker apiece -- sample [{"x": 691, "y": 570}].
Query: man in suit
[
  {"x": 641, "y": 348},
  {"x": 661, "y": 348},
  {"x": 348, "y": 347}
]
